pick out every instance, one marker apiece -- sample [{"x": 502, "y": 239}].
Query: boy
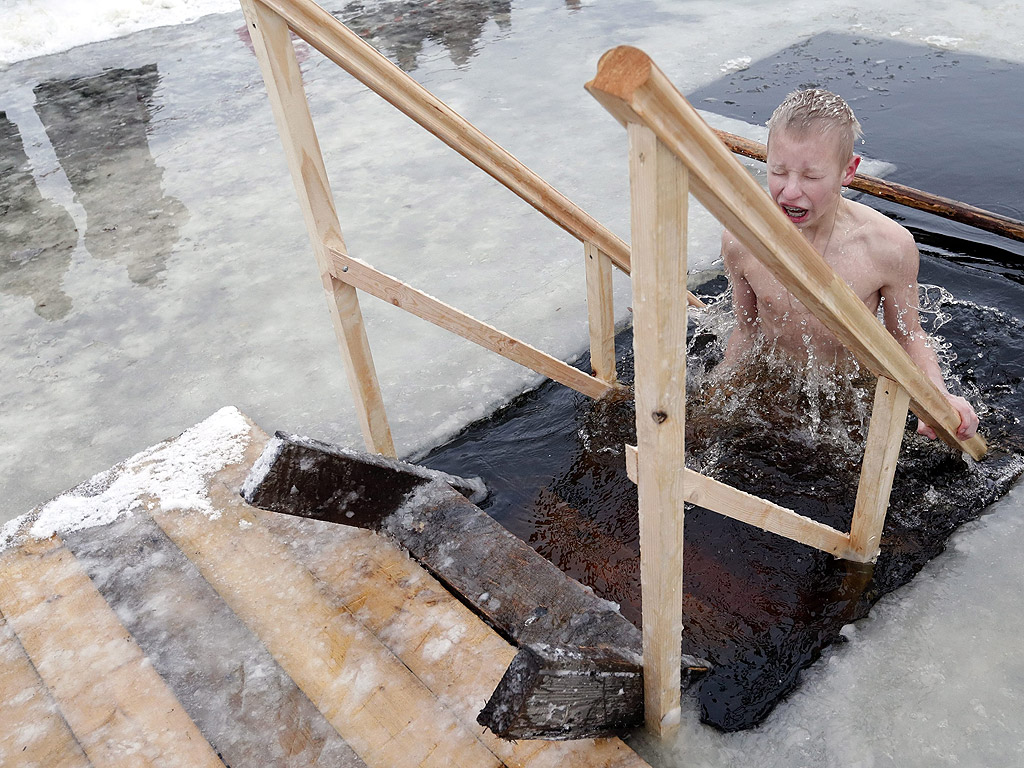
[{"x": 810, "y": 158}]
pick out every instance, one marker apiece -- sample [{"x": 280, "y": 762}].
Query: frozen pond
[{"x": 154, "y": 267}]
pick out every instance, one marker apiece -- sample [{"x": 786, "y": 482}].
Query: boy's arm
[
  {"x": 744, "y": 302},
  {"x": 900, "y": 309}
]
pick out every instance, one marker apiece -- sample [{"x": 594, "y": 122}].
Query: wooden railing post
[
  {"x": 885, "y": 436},
  {"x": 600, "y": 312},
  {"x": 273, "y": 48},
  {"x": 658, "y": 191}
]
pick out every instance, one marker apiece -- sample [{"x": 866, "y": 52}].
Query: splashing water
[{"x": 758, "y": 606}]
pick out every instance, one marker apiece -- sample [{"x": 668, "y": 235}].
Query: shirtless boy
[{"x": 810, "y": 158}]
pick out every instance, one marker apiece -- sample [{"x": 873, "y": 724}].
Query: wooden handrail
[
  {"x": 361, "y": 275},
  {"x": 633, "y": 89},
  {"x": 365, "y": 63},
  {"x": 902, "y": 194},
  {"x": 706, "y": 492}
]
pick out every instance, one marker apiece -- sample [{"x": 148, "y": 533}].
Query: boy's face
[{"x": 806, "y": 174}]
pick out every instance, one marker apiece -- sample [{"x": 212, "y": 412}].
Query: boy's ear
[{"x": 850, "y": 170}]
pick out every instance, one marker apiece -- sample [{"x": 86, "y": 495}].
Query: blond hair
[{"x": 821, "y": 109}]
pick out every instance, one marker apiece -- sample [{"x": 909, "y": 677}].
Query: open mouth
[{"x": 795, "y": 214}]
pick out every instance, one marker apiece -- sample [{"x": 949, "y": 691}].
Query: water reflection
[
  {"x": 98, "y": 128},
  {"x": 36, "y": 236},
  {"x": 399, "y": 29}
]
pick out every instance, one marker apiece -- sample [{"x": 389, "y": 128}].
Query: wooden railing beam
[
  {"x": 711, "y": 494},
  {"x": 361, "y": 275},
  {"x": 600, "y": 312},
  {"x": 658, "y": 202},
  {"x": 885, "y": 436},
  {"x": 365, "y": 63},
  {"x": 276, "y": 56}
]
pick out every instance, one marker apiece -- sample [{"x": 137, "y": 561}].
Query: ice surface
[
  {"x": 128, "y": 333},
  {"x": 38, "y": 27},
  {"x": 237, "y": 313}
]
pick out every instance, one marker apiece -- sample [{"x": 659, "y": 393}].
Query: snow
[
  {"x": 39, "y": 27},
  {"x": 171, "y": 475}
]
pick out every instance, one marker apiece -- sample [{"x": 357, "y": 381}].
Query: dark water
[{"x": 759, "y": 607}]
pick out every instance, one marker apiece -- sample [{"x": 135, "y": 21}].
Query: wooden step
[{"x": 235, "y": 636}]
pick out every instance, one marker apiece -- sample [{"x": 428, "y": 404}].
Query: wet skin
[{"x": 876, "y": 257}]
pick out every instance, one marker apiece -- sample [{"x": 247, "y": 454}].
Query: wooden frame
[
  {"x": 640, "y": 96},
  {"x": 659, "y": 195},
  {"x": 269, "y": 23}
]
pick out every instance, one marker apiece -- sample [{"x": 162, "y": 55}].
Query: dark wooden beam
[{"x": 572, "y": 643}]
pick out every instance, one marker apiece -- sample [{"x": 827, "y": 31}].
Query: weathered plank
[
  {"x": 119, "y": 709},
  {"x": 302, "y": 476},
  {"x": 378, "y": 706},
  {"x": 34, "y": 733},
  {"x": 437, "y": 636},
  {"x": 551, "y": 692},
  {"x": 521, "y": 594},
  {"x": 223, "y": 675}
]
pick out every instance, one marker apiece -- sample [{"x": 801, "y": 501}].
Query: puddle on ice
[{"x": 154, "y": 267}]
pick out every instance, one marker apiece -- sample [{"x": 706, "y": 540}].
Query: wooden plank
[
  {"x": 716, "y": 496},
  {"x": 273, "y": 48},
  {"x": 456, "y": 655},
  {"x": 526, "y": 597},
  {"x": 378, "y": 706},
  {"x": 724, "y": 499},
  {"x": 555, "y": 691},
  {"x": 247, "y": 707},
  {"x": 634, "y": 90},
  {"x": 885, "y": 436},
  {"x": 361, "y": 275},
  {"x": 600, "y": 312},
  {"x": 34, "y": 734},
  {"x": 945, "y": 207},
  {"x": 119, "y": 709},
  {"x": 658, "y": 195}
]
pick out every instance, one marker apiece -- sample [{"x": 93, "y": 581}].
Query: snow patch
[
  {"x": 943, "y": 42},
  {"x": 259, "y": 470},
  {"x": 736, "y": 65},
  {"x": 171, "y": 475}
]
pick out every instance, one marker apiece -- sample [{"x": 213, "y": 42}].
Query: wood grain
[
  {"x": 273, "y": 48},
  {"x": 658, "y": 202},
  {"x": 885, "y": 435},
  {"x": 119, "y": 709},
  {"x": 361, "y": 275}
]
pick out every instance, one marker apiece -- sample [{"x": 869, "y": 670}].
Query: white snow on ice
[
  {"x": 39, "y": 27},
  {"x": 171, "y": 475}
]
